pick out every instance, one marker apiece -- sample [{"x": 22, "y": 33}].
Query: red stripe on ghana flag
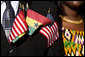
[{"x": 38, "y": 17}]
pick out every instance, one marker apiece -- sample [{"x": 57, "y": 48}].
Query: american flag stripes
[
  {"x": 51, "y": 33},
  {"x": 19, "y": 27}
]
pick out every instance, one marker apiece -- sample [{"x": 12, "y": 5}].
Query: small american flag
[
  {"x": 19, "y": 27},
  {"x": 51, "y": 33}
]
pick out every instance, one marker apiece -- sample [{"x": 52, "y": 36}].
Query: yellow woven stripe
[
  {"x": 31, "y": 22},
  {"x": 77, "y": 32},
  {"x": 21, "y": 35},
  {"x": 83, "y": 33},
  {"x": 73, "y": 35},
  {"x": 79, "y": 50}
]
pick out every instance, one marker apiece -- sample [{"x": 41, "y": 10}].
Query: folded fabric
[
  {"x": 34, "y": 20},
  {"x": 51, "y": 32},
  {"x": 19, "y": 27}
]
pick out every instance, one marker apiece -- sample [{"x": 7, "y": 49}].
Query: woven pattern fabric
[{"x": 73, "y": 42}]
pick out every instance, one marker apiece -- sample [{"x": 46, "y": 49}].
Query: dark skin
[{"x": 72, "y": 12}]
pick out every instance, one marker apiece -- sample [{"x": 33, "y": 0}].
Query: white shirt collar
[
  {"x": 15, "y": 5},
  {"x": 3, "y": 7}
]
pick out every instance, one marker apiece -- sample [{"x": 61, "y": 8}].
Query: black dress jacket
[{"x": 35, "y": 45}]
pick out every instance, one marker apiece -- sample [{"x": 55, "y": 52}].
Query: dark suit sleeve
[
  {"x": 56, "y": 49},
  {"x": 35, "y": 45},
  {"x": 4, "y": 43}
]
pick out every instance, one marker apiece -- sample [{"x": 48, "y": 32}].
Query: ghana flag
[{"x": 34, "y": 20}]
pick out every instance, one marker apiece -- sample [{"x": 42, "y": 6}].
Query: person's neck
[{"x": 71, "y": 14}]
